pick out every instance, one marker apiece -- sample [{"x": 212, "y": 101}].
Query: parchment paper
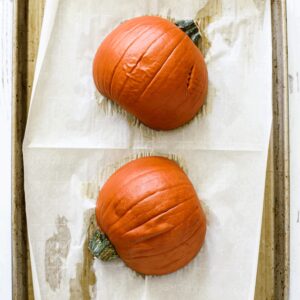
[{"x": 75, "y": 139}]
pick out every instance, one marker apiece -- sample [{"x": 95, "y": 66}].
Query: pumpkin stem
[
  {"x": 101, "y": 247},
  {"x": 190, "y": 28}
]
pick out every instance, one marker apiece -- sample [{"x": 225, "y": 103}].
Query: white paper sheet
[{"x": 73, "y": 144}]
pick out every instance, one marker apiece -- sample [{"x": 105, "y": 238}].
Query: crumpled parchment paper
[{"x": 75, "y": 139}]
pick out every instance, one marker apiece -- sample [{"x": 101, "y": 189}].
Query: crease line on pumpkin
[
  {"x": 159, "y": 214},
  {"x": 163, "y": 103},
  {"x": 124, "y": 53},
  {"x": 141, "y": 201},
  {"x": 97, "y": 74},
  {"x": 170, "y": 229},
  {"x": 201, "y": 110},
  {"x": 159, "y": 235},
  {"x": 164, "y": 63},
  {"x": 155, "y": 235},
  {"x": 168, "y": 250},
  {"x": 191, "y": 77},
  {"x": 146, "y": 198},
  {"x": 127, "y": 182},
  {"x": 140, "y": 58},
  {"x": 183, "y": 258}
]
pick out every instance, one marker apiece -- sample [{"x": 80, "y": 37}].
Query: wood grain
[
  {"x": 273, "y": 269},
  {"x": 27, "y": 24},
  {"x": 281, "y": 149},
  {"x": 265, "y": 279}
]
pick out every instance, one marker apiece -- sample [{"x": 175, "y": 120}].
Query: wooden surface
[
  {"x": 273, "y": 257},
  {"x": 27, "y": 22},
  {"x": 265, "y": 280},
  {"x": 273, "y": 269},
  {"x": 281, "y": 149}
]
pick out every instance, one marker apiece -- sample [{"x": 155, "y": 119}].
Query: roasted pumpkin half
[
  {"x": 152, "y": 68},
  {"x": 149, "y": 215}
]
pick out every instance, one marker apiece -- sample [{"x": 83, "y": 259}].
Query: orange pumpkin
[
  {"x": 150, "y": 213},
  {"x": 153, "y": 70}
]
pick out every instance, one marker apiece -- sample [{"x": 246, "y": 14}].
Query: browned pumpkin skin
[
  {"x": 153, "y": 70},
  {"x": 151, "y": 213}
]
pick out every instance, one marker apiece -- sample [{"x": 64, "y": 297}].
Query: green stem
[
  {"x": 190, "y": 28},
  {"x": 101, "y": 247}
]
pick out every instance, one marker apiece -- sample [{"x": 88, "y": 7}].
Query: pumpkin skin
[
  {"x": 150, "y": 212},
  {"x": 153, "y": 70}
]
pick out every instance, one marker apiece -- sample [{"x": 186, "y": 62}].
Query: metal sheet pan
[{"x": 273, "y": 268}]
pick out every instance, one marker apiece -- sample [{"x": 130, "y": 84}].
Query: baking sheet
[{"x": 72, "y": 144}]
